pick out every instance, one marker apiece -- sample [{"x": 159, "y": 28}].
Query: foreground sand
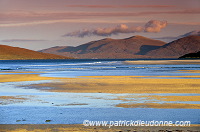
[{"x": 81, "y": 128}]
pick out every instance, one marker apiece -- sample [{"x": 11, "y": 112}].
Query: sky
[{"x": 40, "y": 24}]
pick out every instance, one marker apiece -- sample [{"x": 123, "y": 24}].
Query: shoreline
[
  {"x": 81, "y": 128},
  {"x": 162, "y": 62}
]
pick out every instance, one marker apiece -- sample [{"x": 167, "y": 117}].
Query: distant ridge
[
  {"x": 16, "y": 53},
  {"x": 132, "y": 47},
  {"x": 177, "y": 48},
  {"x": 192, "y": 33}
]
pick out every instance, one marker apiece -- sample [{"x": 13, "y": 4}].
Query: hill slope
[
  {"x": 133, "y": 47},
  {"x": 177, "y": 48},
  {"x": 15, "y": 53},
  {"x": 192, "y": 33}
]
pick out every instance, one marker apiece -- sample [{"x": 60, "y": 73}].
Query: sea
[{"x": 37, "y": 106}]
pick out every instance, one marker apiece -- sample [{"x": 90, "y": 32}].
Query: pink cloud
[
  {"x": 155, "y": 26},
  {"x": 152, "y": 26}
]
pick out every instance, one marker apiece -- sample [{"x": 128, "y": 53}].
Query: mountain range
[
  {"x": 16, "y": 53},
  {"x": 133, "y": 47},
  {"x": 108, "y": 48}
]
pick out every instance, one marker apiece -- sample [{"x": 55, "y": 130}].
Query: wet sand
[
  {"x": 112, "y": 84},
  {"x": 132, "y": 84},
  {"x": 160, "y": 106},
  {"x": 4, "y": 100},
  {"x": 174, "y": 98},
  {"x": 190, "y": 71},
  {"x": 81, "y": 128},
  {"x": 153, "y": 101},
  {"x": 119, "y": 84},
  {"x": 160, "y": 98},
  {"x": 23, "y": 77}
]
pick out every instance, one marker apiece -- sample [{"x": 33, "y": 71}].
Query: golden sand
[
  {"x": 174, "y": 98},
  {"x": 11, "y": 97},
  {"x": 113, "y": 84},
  {"x": 190, "y": 71},
  {"x": 120, "y": 84},
  {"x": 23, "y": 77},
  {"x": 123, "y": 84},
  {"x": 81, "y": 128},
  {"x": 160, "y": 106},
  {"x": 155, "y": 98},
  {"x": 14, "y": 72}
]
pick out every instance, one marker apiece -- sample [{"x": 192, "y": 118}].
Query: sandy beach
[{"x": 81, "y": 128}]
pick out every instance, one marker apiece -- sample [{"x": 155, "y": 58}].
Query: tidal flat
[{"x": 70, "y": 92}]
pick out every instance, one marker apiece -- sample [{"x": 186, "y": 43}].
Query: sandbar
[
  {"x": 4, "y": 100},
  {"x": 23, "y": 77},
  {"x": 174, "y": 98},
  {"x": 160, "y": 106},
  {"x": 125, "y": 84}
]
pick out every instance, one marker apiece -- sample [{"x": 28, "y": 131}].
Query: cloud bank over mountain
[{"x": 151, "y": 26}]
